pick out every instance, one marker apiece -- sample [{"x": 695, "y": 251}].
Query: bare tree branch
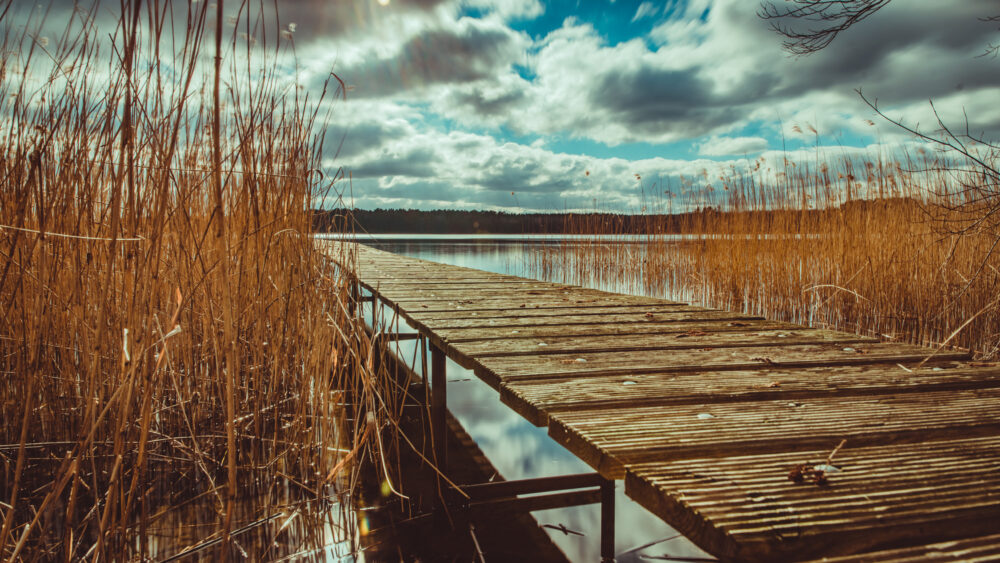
[
  {"x": 825, "y": 20},
  {"x": 976, "y": 169}
]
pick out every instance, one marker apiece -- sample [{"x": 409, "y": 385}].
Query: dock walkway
[{"x": 706, "y": 414}]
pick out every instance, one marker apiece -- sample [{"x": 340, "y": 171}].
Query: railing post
[{"x": 607, "y": 521}]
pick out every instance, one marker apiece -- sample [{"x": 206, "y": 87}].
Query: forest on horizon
[{"x": 461, "y": 222}]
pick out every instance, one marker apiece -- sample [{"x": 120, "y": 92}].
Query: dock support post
[
  {"x": 423, "y": 362},
  {"x": 607, "y": 521},
  {"x": 439, "y": 406},
  {"x": 352, "y": 296}
]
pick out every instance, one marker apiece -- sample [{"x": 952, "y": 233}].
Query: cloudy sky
[
  {"x": 583, "y": 104},
  {"x": 522, "y": 104}
]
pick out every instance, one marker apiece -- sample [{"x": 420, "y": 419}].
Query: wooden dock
[{"x": 706, "y": 414}]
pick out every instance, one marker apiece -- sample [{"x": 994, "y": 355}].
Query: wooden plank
[
  {"x": 473, "y": 291},
  {"x": 498, "y": 292},
  {"x": 746, "y": 508},
  {"x": 609, "y": 439},
  {"x": 519, "y": 311},
  {"x": 970, "y": 550},
  {"x": 489, "y": 303},
  {"x": 377, "y": 268},
  {"x": 391, "y": 276},
  {"x": 454, "y": 335},
  {"x": 676, "y": 314},
  {"x": 435, "y": 280},
  {"x": 530, "y": 287},
  {"x": 476, "y": 289},
  {"x": 680, "y": 341},
  {"x": 597, "y": 364},
  {"x": 536, "y": 400}
]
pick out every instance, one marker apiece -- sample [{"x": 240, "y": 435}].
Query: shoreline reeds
[
  {"x": 891, "y": 247},
  {"x": 170, "y": 336}
]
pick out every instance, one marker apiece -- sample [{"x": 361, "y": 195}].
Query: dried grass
[
  {"x": 893, "y": 248},
  {"x": 174, "y": 349}
]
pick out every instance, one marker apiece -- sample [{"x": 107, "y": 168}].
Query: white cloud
[
  {"x": 645, "y": 10},
  {"x": 714, "y": 75},
  {"x": 509, "y": 10},
  {"x": 726, "y": 146}
]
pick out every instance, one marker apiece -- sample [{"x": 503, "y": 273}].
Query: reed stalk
[
  {"x": 897, "y": 247},
  {"x": 179, "y": 362}
]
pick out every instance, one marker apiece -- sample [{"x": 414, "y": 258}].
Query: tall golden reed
[
  {"x": 169, "y": 337},
  {"x": 893, "y": 247}
]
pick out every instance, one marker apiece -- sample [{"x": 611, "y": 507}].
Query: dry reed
[
  {"x": 896, "y": 248},
  {"x": 177, "y": 357}
]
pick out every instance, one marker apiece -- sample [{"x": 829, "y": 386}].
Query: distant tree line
[
  {"x": 413, "y": 221},
  {"x": 391, "y": 221}
]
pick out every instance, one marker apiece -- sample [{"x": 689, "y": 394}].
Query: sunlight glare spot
[{"x": 383, "y": 2}]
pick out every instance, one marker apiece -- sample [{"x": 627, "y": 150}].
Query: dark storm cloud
[
  {"x": 650, "y": 99},
  {"x": 322, "y": 20},
  {"x": 551, "y": 201},
  {"x": 417, "y": 163},
  {"x": 520, "y": 182},
  {"x": 434, "y": 57},
  {"x": 507, "y": 173},
  {"x": 868, "y": 51},
  {"x": 345, "y": 141},
  {"x": 431, "y": 194},
  {"x": 427, "y": 194},
  {"x": 483, "y": 103}
]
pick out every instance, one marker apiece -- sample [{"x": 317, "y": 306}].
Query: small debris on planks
[
  {"x": 691, "y": 333},
  {"x": 807, "y": 473},
  {"x": 817, "y": 474}
]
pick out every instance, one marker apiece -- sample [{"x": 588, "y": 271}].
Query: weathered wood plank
[
  {"x": 970, "y": 550},
  {"x": 489, "y": 303},
  {"x": 391, "y": 277},
  {"x": 680, "y": 341},
  {"x": 502, "y": 292},
  {"x": 596, "y": 364},
  {"x": 455, "y": 291},
  {"x": 676, "y": 314},
  {"x": 454, "y": 335},
  {"x": 746, "y": 508},
  {"x": 536, "y": 400},
  {"x": 609, "y": 439},
  {"x": 470, "y": 291},
  {"x": 517, "y": 310}
]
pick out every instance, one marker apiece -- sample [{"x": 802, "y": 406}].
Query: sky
[
  {"x": 524, "y": 105},
  {"x": 528, "y": 105}
]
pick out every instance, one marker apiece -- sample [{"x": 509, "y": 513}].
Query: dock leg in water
[
  {"x": 439, "y": 406},
  {"x": 607, "y": 521}
]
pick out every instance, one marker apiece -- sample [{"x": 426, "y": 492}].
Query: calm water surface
[{"x": 517, "y": 448}]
